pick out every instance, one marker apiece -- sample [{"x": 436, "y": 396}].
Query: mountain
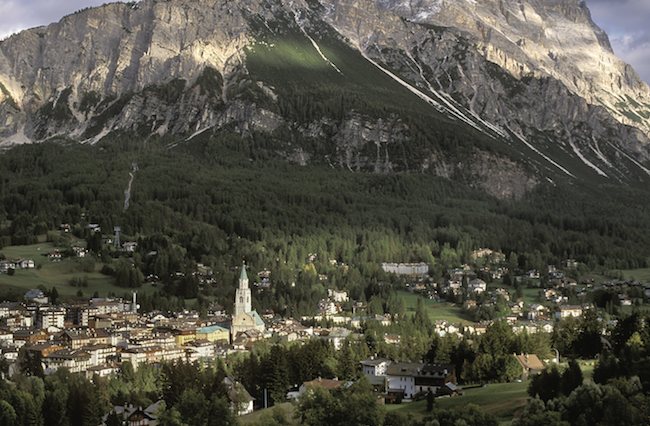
[{"x": 506, "y": 94}]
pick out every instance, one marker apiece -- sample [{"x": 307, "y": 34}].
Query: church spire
[
  {"x": 243, "y": 297},
  {"x": 243, "y": 275}
]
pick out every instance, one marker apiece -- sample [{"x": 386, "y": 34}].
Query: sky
[{"x": 625, "y": 21}]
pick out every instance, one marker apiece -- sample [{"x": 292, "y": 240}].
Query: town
[{"x": 98, "y": 337}]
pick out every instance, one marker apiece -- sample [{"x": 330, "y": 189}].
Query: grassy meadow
[{"x": 50, "y": 274}]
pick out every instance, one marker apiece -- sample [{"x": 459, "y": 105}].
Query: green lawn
[
  {"x": 437, "y": 310},
  {"x": 58, "y": 274},
  {"x": 504, "y": 400}
]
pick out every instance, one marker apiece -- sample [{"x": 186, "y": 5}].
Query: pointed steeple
[{"x": 243, "y": 275}]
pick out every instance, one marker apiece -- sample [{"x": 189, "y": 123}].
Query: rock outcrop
[{"x": 538, "y": 75}]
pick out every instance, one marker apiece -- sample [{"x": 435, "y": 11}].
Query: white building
[
  {"x": 477, "y": 286},
  {"x": 375, "y": 366},
  {"x": 50, "y": 316}
]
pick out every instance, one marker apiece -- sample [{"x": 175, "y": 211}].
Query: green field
[
  {"x": 503, "y": 400},
  {"x": 436, "y": 310},
  {"x": 50, "y": 274}
]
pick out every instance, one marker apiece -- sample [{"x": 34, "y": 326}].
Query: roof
[
  {"x": 371, "y": 362},
  {"x": 403, "y": 369},
  {"x": 211, "y": 329},
  {"x": 530, "y": 362},
  {"x": 324, "y": 383},
  {"x": 243, "y": 275},
  {"x": 256, "y": 317}
]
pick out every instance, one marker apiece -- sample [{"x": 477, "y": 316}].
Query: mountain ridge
[{"x": 185, "y": 67}]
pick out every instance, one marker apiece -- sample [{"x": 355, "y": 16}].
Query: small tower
[{"x": 243, "y": 294}]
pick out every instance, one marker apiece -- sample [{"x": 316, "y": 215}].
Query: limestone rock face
[
  {"x": 538, "y": 75},
  {"x": 543, "y": 38}
]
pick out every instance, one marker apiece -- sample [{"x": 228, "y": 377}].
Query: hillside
[{"x": 500, "y": 97}]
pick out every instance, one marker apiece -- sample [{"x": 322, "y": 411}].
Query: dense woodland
[{"x": 213, "y": 201}]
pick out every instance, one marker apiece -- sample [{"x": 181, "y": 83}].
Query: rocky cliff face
[{"x": 537, "y": 75}]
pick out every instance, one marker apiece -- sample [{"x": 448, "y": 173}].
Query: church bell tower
[{"x": 243, "y": 294}]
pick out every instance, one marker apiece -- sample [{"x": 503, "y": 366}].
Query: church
[{"x": 244, "y": 318}]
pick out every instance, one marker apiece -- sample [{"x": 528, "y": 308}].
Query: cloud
[
  {"x": 18, "y": 15},
  {"x": 626, "y": 24}
]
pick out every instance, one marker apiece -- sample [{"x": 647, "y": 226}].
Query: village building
[
  {"x": 244, "y": 317},
  {"x": 530, "y": 365}
]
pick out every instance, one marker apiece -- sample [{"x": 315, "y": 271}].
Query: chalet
[
  {"x": 477, "y": 286},
  {"x": 625, "y": 300},
  {"x": 374, "y": 366},
  {"x": 480, "y": 328},
  {"x": 536, "y": 310},
  {"x": 29, "y": 336},
  {"x": 6, "y": 265},
  {"x": 326, "y": 308},
  {"x": 129, "y": 246},
  {"x": 135, "y": 416},
  {"x": 36, "y": 295},
  {"x": 530, "y": 365},
  {"x": 338, "y": 296},
  {"x": 568, "y": 311},
  {"x": 532, "y": 274},
  {"x": 512, "y": 319},
  {"x": 25, "y": 264},
  {"x": 241, "y": 402},
  {"x": 54, "y": 256},
  {"x": 435, "y": 377},
  {"x": 406, "y": 379},
  {"x": 392, "y": 339},
  {"x": 320, "y": 383}
]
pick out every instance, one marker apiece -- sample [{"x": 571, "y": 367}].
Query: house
[
  {"x": 321, "y": 383},
  {"x": 37, "y": 296},
  {"x": 569, "y": 311},
  {"x": 477, "y": 286},
  {"x": 406, "y": 379},
  {"x": 530, "y": 365},
  {"x": 241, "y": 402},
  {"x": 54, "y": 256},
  {"x": 374, "y": 366},
  {"x": 533, "y": 274},
  {"x": 338, "y": 296},
  {"x": 25, "y": 264},
  {"x": 625, "y": 300},
  {"x": 135, "y": 416},
  {"x": 535, "y": 310},
  {"x": 327, "y": 308},
  {"x": 129, "y": 246}
]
